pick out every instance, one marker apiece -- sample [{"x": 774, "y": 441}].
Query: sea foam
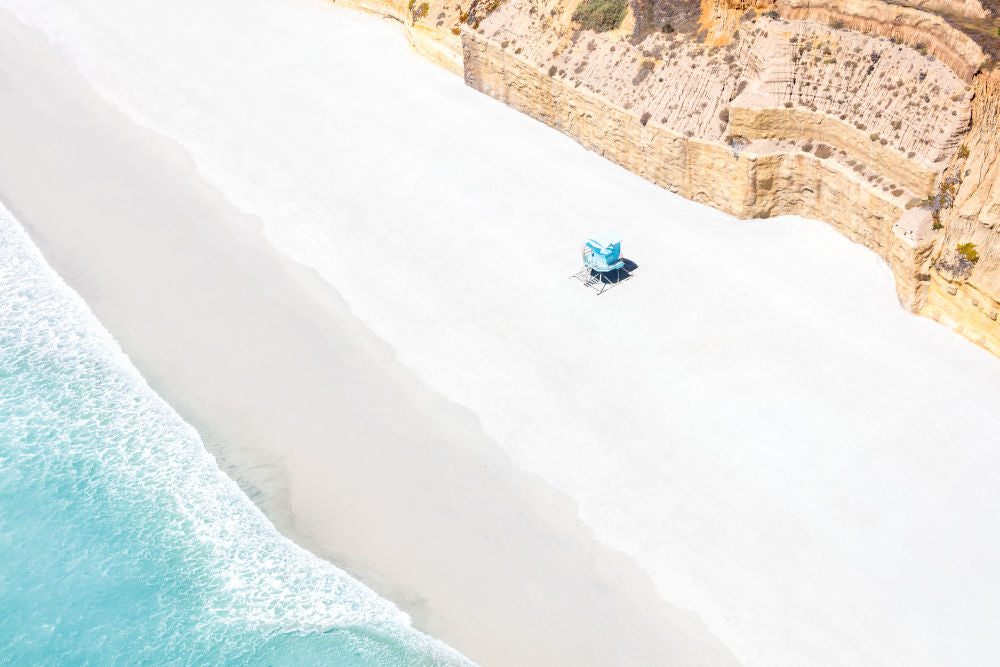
[{"x": 122, "y": 537}]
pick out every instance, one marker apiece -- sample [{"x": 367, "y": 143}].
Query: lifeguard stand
[{"x": 601, "y": 260}]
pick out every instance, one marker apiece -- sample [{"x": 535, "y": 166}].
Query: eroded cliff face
[
  {"x": 964, "y": 294},
  {"x": 872, "y": 116},
  {"x": 915, "y": 27}
]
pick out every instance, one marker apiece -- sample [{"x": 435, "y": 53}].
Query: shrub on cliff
[
  {"x": 600, "y": 15},
  {"x": 823, "y": 151},
  {"x": 958, "y": 264},
  {"x": 418, "y": 11},
  {"x": 968, "y": 250},
  {"x": 942, "y": 199},
  {"x": 644, "y": 71},
  {"x": 738, "y": 143}
]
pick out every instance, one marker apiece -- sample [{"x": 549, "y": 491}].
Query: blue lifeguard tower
[{"x": 602, "y": 260}]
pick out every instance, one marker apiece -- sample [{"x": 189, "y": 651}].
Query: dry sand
[{"x": 328, "y": 433}]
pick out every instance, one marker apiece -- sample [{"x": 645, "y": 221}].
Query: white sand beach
[{"x": 748, "y": 453}]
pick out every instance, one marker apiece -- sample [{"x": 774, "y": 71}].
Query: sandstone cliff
[
  {"x": 963, "y": 294},
  {"x": 877, "y": 117}
]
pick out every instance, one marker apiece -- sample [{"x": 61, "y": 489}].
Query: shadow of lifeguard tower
[{"x": 603, "y": 265}]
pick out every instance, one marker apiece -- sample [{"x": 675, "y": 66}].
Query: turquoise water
[{"x": 121, "y": 540}]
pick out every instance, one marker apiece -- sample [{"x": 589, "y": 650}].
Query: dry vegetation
[{"x": 600, "y": 15}]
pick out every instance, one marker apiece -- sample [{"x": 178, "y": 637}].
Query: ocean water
[{"x": 121, "y": 540}]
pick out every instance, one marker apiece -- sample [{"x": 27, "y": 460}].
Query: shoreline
[{"x": 312, "y": 415}]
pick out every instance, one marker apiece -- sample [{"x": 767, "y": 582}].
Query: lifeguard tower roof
[{"x": 605, "y": 239}]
